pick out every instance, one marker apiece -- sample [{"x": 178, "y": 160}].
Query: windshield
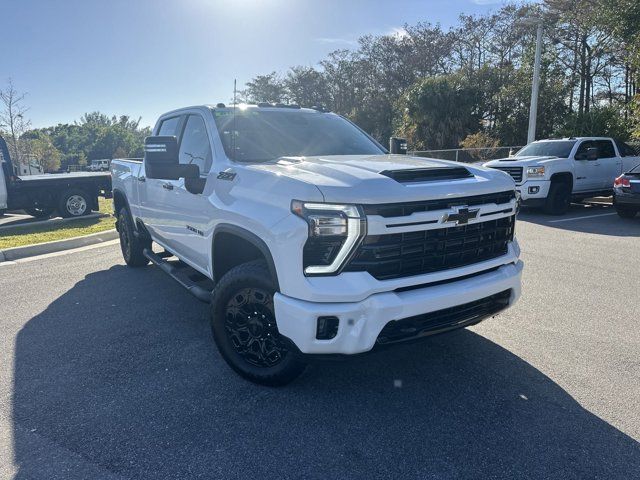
[
  {"x": 263, "y": 135},
  {"x": 561, "y": 149}
]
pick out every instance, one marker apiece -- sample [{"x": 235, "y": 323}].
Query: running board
[{"x": 196, "y": 284}]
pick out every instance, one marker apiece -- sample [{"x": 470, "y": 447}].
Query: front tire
[
  {"x": 132, "y": 247},
  {"x": 559, "y": 199},
  {"x": 74, "y": 203},
  {"x": 244, "y": 327}
]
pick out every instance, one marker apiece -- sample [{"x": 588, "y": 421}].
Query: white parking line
[{"x": 581, "y": 218}]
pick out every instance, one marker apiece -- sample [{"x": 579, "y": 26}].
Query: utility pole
[{"x": 535, "y": 86}]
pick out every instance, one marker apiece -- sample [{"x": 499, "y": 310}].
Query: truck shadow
[
  {"x": 119, "y": 378},
  {"x": 597, "y": 219}
]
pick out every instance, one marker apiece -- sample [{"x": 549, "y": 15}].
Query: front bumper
[
  {"x": 360, "y": 323},
  {"x": 533, "y": 192}
]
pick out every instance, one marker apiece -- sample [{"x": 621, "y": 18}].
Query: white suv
[{"x": 308, "y": 238}]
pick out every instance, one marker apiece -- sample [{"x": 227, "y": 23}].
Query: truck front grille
[
  {"x": 404, "y": 209},
  {"x": 441, "y": 320},
  {"x": 515, "y": 172},
  {"x": 426, "y": 251}
]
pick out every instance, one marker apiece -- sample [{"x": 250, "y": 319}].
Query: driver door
[
  {"x": 185, "y": 229},
  {"x": 588, "y": 173}
]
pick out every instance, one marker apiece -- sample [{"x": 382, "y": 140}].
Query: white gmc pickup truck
[
  {"x": 553, "y": 173},
  {"x": 308, "y": 239}
]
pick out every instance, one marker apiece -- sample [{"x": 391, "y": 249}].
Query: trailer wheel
[{"x": 74, "y": 203}]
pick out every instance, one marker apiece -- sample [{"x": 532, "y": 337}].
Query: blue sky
[{"x": 144, "y": 57}]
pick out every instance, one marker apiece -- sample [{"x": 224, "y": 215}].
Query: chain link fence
[{"x": 468, "y": 155}]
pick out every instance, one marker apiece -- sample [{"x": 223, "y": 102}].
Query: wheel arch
[
  {"x": 233, "y": 245},
  {"x": 563, "y": 177},
  {"x": 119, "y": 201}
]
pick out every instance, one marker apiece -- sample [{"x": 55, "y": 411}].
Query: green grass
[{"x": 28, "y": 235}]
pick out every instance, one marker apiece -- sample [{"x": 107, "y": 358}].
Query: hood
[
  {"x": 374, "y": 179},
  {"x": 523, "y": 161}
]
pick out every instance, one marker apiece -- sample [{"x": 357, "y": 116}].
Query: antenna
[{"x": 234, "y": 132}]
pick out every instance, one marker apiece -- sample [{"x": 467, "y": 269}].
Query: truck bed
[{"x": 45, "y": 177}]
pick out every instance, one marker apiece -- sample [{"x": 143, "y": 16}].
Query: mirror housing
[
  {"x": 398, "y": 145},
  {"x": 161, "y": 157},
  {"x": 592, "y": 153},
  {"x": 193, "y": 183}
]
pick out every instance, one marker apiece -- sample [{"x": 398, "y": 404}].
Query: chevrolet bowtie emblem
[{"x": 461, "y": 216}]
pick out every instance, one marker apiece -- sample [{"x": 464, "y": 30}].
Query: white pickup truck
[
  {"x": 553, "y": 173},
  {"x": 308, "y": 239}
]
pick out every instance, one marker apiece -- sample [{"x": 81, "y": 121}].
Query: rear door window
[
  {"x": 625, "y": 149},
  {"x": 169, "y": 126},
  {"x": 605, "y": 148}
]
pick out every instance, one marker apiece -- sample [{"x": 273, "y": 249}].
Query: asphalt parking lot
[{"x": 109, "y": 372}]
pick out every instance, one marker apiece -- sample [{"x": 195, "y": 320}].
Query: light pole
[{"x": 535, "y": 85}]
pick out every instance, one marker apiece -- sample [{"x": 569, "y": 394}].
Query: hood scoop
[{"x": 436, "y": 174}]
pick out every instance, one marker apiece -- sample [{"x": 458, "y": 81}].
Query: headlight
[
  {"x": 535, "y": 171},
  {"x": 334, "y": 232}
]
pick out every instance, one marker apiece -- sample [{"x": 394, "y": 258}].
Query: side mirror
[
  {"x": 161, "y": 161},
  {"x": 398, "y": 145},
  {"x": 192, "y": 181},
  {"x": 161, "y": 157},
  {"x": 592, "y": 153}
]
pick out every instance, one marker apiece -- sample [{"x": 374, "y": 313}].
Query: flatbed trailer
[{"x": 70, "y": 194}]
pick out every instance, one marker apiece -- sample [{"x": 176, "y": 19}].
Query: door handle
[
  {"x": 167, "y": 186},
  {"x": 142, "y": 179}
]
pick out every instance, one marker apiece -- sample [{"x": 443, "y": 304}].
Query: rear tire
[
  {"x": 74, "y": 203},
  {"x": 244, "y": 327},
  {"x": 559, "y": 199},
  {"x": 626, "y": 212},
  {"x": 132, "y": 247}
]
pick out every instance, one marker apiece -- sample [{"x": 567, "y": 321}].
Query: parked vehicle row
[
  {"x": 552, "y": 173},
  {"x": 70, "y": 194},
  {"x": 309, "y": 240}
]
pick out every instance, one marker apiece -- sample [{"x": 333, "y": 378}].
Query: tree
[
  {"x": 598, "y": 121},
  {"x": 94, "y": 136},
  {"x": 265, "y": 88},
  {"x": 483, "y": 145},
  {"x": 440, "y": 111},
  {"x": 12, "y": 117},
  {"x": 307, "y": 87},
  {"x": 43, "y": 151}
]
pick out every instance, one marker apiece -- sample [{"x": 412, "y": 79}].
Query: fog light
[
  {"x": 327, "y": 328},
  {"x": 534, "y": 190}
]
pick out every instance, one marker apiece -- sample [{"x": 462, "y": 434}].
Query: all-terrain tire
[
  {"x": 132, "y": 246},
  {"x": 244, "y": 327}
]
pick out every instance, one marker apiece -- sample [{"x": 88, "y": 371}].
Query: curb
[
  {"x": 17, "y": 253},
  {"x": 51, "y": 222}
]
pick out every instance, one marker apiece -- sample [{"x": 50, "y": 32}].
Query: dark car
[{"x": 626, "y": 193}]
